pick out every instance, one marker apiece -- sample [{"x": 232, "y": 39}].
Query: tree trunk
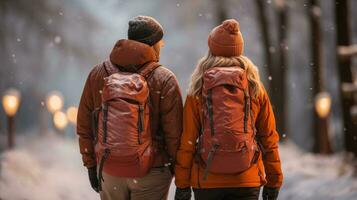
[
  {"x": 221, "y": 11},
  {"x": 279, "y": 72},
  {"x": 321, "y": 124},
  {"x": 263, "y": 22},
  {"x": 345, "y": 73},
  {"x": 276, "y": 68}
]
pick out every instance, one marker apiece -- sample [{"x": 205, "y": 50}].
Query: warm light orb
[
  {"x": 323, "y": 104},
  {"x": 54, "y": 102},
  {"x": 60, "y": 120},
  {"x": 11, "y": 101},
  {"x": 72, "y": 114}
]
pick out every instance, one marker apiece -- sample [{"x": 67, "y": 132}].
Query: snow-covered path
[{"x": 50, "y": 169}]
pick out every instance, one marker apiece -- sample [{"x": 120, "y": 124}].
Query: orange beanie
[{"x": 226, "y": 39}]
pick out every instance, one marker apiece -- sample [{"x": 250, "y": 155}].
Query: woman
[{"x": 229, "y": 145}]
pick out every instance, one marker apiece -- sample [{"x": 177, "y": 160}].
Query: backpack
[
  {"x": 124, "y": 146},
  {"x": 227, "y": 143}
]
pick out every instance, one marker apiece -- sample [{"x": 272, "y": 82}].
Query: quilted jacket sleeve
[
  {"x": 269, "y": 138},
  {"x": 84, "y": 129},
  {"x": 185, "y": 154}
]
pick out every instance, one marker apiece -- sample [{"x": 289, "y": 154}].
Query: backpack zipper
[
  {"x": 210, "y": 110},
  {"x": 105, "y": 119},
  {"x": 140, "y": 121},
  {"x": 246, "y": 110}
]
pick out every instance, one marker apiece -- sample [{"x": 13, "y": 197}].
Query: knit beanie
[
  {"x": 145, "y": 29},
  {"x": 226, "y": 39}
]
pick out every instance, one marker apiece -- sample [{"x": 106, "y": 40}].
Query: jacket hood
[{"x": 131, "y": 55}]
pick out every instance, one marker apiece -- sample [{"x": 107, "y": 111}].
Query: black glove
[
  {"x": 93, "y": 179},
  {"x": 270, "y": 193},
  {"x": 183, "y": 193}
]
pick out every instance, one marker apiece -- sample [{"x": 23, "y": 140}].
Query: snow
[{"x": 53, "y": 164}]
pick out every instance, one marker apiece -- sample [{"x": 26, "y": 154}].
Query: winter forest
[{"x": 306, "y": 52}]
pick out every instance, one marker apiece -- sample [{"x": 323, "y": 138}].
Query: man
[{"x": 143, "y": 46}]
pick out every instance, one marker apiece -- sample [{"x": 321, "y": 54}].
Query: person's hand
[
  {"x": 183, "y": 193},
  {"x": 270, "y": 193},
  {"x": 93, "y": 179}
]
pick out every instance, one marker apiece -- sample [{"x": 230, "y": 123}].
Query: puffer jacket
[
  {"x": 165, "y": 97},
  {"x": 189, "y": 171}
]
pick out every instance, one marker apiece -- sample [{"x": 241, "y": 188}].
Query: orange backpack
[
  {"x": 227, "y": 143},
  {"x": 124, "y": 145}
]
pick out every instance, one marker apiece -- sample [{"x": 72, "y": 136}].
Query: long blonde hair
[{"x": 209, "y": 61}]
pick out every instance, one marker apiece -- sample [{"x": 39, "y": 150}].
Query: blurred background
[{"x": 306, "y": 51}]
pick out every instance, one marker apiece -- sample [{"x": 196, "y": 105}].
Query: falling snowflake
[
  {"x": 42, "y": 103},
  {"x": 268, "y": 1},
  {"x": 49, "y": 21},
  {"x": 200, "y": 14},
  {"x": 178, "y": 5},
  {"x": 115, "y": 188},
  {"x": 272, "y": 49},
  {"x": 57, "y": 39},
  {"x": 270, "y": 78},
  {"x": 18, "y": 39},
  {"x": 60, "y": 13},
  {"x": 190, "y": 142},
  {"x": 284, "y": 135},
  {"x": 135, "y": 181}
]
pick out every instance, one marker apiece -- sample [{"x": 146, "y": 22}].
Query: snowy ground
[{"x": 50, "y": 169}]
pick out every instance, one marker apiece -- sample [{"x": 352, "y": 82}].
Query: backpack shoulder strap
[{"x": 146, "y": 70}]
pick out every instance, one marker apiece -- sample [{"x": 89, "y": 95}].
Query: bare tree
[
  {"x": 221, "y": 11},
  {"x": 276, "y": 66},
  {"x": 321, "y": 124},
  {"x": 343, "y": 24}
]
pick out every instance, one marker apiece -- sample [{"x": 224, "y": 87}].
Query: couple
[{"x": 135, "y": 135}]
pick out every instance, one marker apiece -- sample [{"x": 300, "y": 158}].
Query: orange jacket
[{"x": 188, "y": 173}]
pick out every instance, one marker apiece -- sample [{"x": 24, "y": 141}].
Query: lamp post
[
  {"x": 322, "y": 109},
  {"x": 11, "y": 102},
  {"x": 323, "y": 104},
  {"x": 72, "y": 114},
  {"x": 60, "y": 120},
  {"x": 54, "y": 103}
]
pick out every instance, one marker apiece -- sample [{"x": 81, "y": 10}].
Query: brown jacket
[
  {"x": 188, "y": 173},
  {"x": 165, "y": 97}
]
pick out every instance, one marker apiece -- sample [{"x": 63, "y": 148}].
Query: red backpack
[
  {"x": 124, "y": 145},
  {"x": 227, "y": 143}
]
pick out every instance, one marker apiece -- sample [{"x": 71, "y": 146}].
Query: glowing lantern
[
  {"x": 11, "y": 102},
  {"x": 54, "y": 101},
  {"x": 72, "y": 114},
  {"x": 60, "y": 120},
  {"x": 323, "y": 104}
]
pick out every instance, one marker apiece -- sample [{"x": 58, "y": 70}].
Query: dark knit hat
[
  {"x": 145, "y": 29},
  {"x": 226, "y": 39}
]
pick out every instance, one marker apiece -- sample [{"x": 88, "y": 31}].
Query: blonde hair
[{"x": 209, "y": 61}]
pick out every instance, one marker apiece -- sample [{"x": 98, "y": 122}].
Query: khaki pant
[{"x": 154, "y": 186}]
